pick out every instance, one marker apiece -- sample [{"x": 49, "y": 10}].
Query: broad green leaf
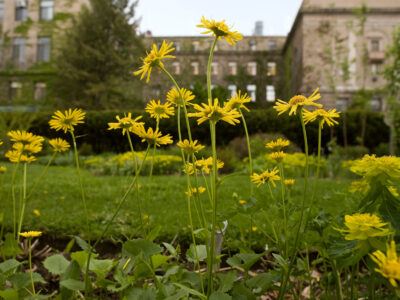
[
  {"x": 140, "y": 246},
  {"x": 241, "y": 292},
  {"x": 10, "y": 247},
  {"x": 220, "y": 296},
  {"x": 83, "y": 244},
  {"x": 73, "y": 284},
  {"x": 9, "y": 265},
  {"x": 21, "y": 280},
  {"x": 170, "y": 249},
  {"x": 153, "y": 234},
  {"x": 56, "y": 264},
  {"x": 280, "y": 261},
  {"x": 101, "y": 266},
  {"x": 73, "y": 272},
  {"x": 9, "y": 294},
  {"x": 141, "y": 294},
  {"x": 190, "y": 290},
  {"x": 226, "y": 281},
  {"x": 244, "y": 260},
  {"x": 262, "y": 282},
  {"x": 158, "y": 260},
  {"x": 194, "y": 257}
]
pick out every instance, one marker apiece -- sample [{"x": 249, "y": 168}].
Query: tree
[{"x": 97, "y": 56}]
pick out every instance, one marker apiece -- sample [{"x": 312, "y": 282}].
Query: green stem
[
  {"x": 30, "y": 265},
  {"x": 285, "y": 227},
  {"x": 248, "y": 150},
  {"x": 22, "y": 211},
  {"x": 319, "y": 148},
  {"x": 14, "y": 200},
  {"x": 209, "y": 63}
]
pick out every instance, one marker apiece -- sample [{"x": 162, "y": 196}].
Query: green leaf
[
  {"x": 9, "y": 265},
  {"x": 220, "y": 296},
  {"x": 10, "y": 248},
  {"x": 201, "y": 253},
  {"x": 9, "y": 294},
  {"x": 73, "y": 272},
  {"x": 170, "y": 249},
  {"x": 140, "y": 246},
  {"x": 158, "y": 260},
  {"x": 190, "y": 291},
  {"x": 141, "y": 294},
  {"x": 83, "y": 244},
  {"x": 226, "y": 281},
  {"x": 244, "y": 260},
  {"x": 101, "y": 266},
  {"x": 21, "y": 280},
  {"x": 153, "y": 234},
  {"x": 280, "y": 261},
  {"x": 73, "y": 284},
  {"x": 81, "y": 258},
  {"x": 262, "y": 282},
  {"x": 241, "y": 292},
  {"x": 56, "y": 264}
]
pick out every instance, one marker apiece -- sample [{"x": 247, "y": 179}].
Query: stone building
[{"x": 340, "y": 46}]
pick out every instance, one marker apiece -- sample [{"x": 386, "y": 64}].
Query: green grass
[{"x": 58, "y": 199}]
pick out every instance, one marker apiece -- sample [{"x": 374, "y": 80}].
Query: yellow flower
[
  {"x": 214, "y": 113},
  {"x": 3, "y": 169},
  {"x": 30, "y": 234},
  {"x": 154, "y": 59},
  {"x": 159, "y": 111},
  {"x": 205, "y": 165},
  {"x": 59, "y": 145},
  {"x": 127, "y": 124},
  {"x": 16, "y": 156},
  {"x": 220, "y": 29},
  {"x": 1, "y": 143},
  {"x": 242, "y": 202},
  {"x": 278, "y": 144},
  {"x": 36, "y": 212},
  {"x": 190, "y": 147},
  {"x": 289, "y": 182},
  {"x": 24, "y": 137},
  {"x": 394, "y": 191},
  {"x": 363, "y": 226},
  {"x": 31, "y": 148},
  {"x": 266, "y": 176},
  {"x": 277, "y": 156},
  {"x": 297, "y": 102},
  {"x": 154, "y": 137},
  {"x": 359, "y": 186},
  {"x": 182, "y": 98},
  {"x": 238, "y": 101},
  {"x": 254, "y": 228},
  {"x": 195, "y": 191},
  {"x": 67, "y": 120},
  {"x": 389, "y": 264},
  {"x": 322, "y": 115}
]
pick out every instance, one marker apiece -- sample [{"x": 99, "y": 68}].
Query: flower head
[
  {"x": 214, "y": 113},
  {"x": 205, "y": 165},
  {"x": 127, "y": 124},
  {"x": 195, "y": 191},
  {"x": 266, "y": 177},
  {"x": 154, "y": 137},
  {"x": 16, "y": 156},
  {"x": 154, "y": 59},
  {"x": 297, "y": 102},
  {"x": 363, "y": 226},
  {"x": 31, "y": 148},
  {"x": 322, "y": 115},
  {"x": 181, "y": 97},
  {"x": 159, "y": 111},
  {"x": 220, "y": 30},
  {"x": 277, "y": 156},
  {"x": 190, "y": 147},
  {"x": 30, "y": 234},
  {"x": 67, "y": 120},
  {"x": 59, "y": 145},
  {"x": 24, "y": 137},
  {"x": 277, "y": 144},
  {"x": 238, "y": 101},
  {"x": 289, "y": 182},
  {"x": 242, "y": 202},
  {"x": 389, "y": 264}
]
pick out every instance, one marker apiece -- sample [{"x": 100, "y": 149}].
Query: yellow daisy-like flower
[
  {"x": 254, "y": 228},
  {"x": 277, "y": 156},
  {"x": 215, "y": 113},
  {"x": 59, "y": 145},
  {"x": 159, "y": 111},
  {"x": 195, "y": 191},
  {"x": 182, "y": 98},
  {"x": 389, "y": 264},
  {"x": 297, "y": 102},
  {"x": 30, "y": 234},
  {"x": 364, "y": 226},
  {"x": 205, "y": 165},
  {"x": 36, "y": 212},
  {"x": 322, "y": 115},
  {"x": 242, "y": 202},
  {"x": 277, "y": 144},
  {"x": 221, "y": 30},
  {"x": 1, "y": 143},
  {"x": 289, "y": 182},
  {"x": 190, "y": 147},
  {"x": 127, "y": 124},
  {"x": 154, "y": 59},
  {"x": 359, "y": 186},
  {"x": 67, "y": 120},
  {"x": 3, "y": 169},
  {"x": 266, "y": 177},
  {"x": 24, "y": 137},
  {"x": 31, "y": 148},
  {"x": 16, "y": 156},
  {"x": 154, "y": 137},
  {"x": 238, "y": 101}
]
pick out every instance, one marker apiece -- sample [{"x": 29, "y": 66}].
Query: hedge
[{"x": 94, "y": 132}]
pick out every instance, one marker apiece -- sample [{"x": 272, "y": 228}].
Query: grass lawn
[{"x": 58, "y": 199}]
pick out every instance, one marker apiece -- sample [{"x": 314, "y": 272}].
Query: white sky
[{"x": 180, "y": 17}]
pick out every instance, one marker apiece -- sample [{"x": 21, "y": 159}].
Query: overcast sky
[{"x": 180, "y": 17}]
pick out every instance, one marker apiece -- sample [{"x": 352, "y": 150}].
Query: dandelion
[
  {"x": 24, "y": 137},
  {"x": 190, "y": 147},
  {"x": 127, "y": 124},
  {"x": 159, "y": 111},
  {"x": 238, "y": 101},
  {"x": 322, "y": 115},
  {"x": 277, "y": 144},
  {"x": 59, "y": 145},
  {"x": 204, "y": 165},
  {"x": 389, "y": 264},
  {"x": 30, "y": 234},
  {"x": 16, "y": 156},
  {"x": 220, "y": 30},
  {"x": 154, "y": 59},
  {"x": 195, "y": 191},
  {"x": 154, "y": 137},
  {"x": 363, "y": 226},
  {"x": 277, "y": 156},
  {"x": 296, "y": 102},
  {"x": 266, "y": 177},
  {"x": 67, "y": 120},
  {"x": 31, "y": 148},
  {"x": 182, "y": 98},
  {"x": 289, "y": 182},
  {"x": 215, "y": 113}
]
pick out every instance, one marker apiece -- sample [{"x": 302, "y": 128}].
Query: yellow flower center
[
  {"x": 159, "y": 110},
  {"x": 297, "y": 99}
]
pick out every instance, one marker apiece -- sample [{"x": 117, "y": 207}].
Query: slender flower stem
[
  {"x": 285, "y": 227},
  {"x": 319, "y": 148},
  {"x": 22, "y": 209},
  {"x": 14, "y": 200},
  {"x": 30, "y": 264},
  {"x": 249, "y": 151},
  {"x": 209, "y": 63}
]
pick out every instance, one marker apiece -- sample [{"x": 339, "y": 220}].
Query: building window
[
  {"x": 46, "y": 10},
  {"x": 1, "y": 10},
  {"x": 342, "y": 104},
  {"x": 252, "y": 68},
  {"x": 270, "y": 93},
  {"x": 253, "y": 45},
  {"x": 271, "y": 69},
  {"x": 271, "y": 44},
  {"x": 375, "y": 45},
  {"x": 44, "y": 48},
  {"x": 176, "y": 66},
  {"x": 15, "y": 90},
  {"x": 195, "y": 45},
  {"x": 232, "y": 89},
  {"x": 375, "y": 69},
  {"x": 214, "y": 68},
  {"x": 21, "y": 10},
  {"x": 251, "y": 89},
  {"x": 40, "y": 91},
  {"x": 376, "y": 104},
  {"x": 195, "y": 68},
  {"x": 232, "y": 68},
  {"x": 18, "y": 50}
]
